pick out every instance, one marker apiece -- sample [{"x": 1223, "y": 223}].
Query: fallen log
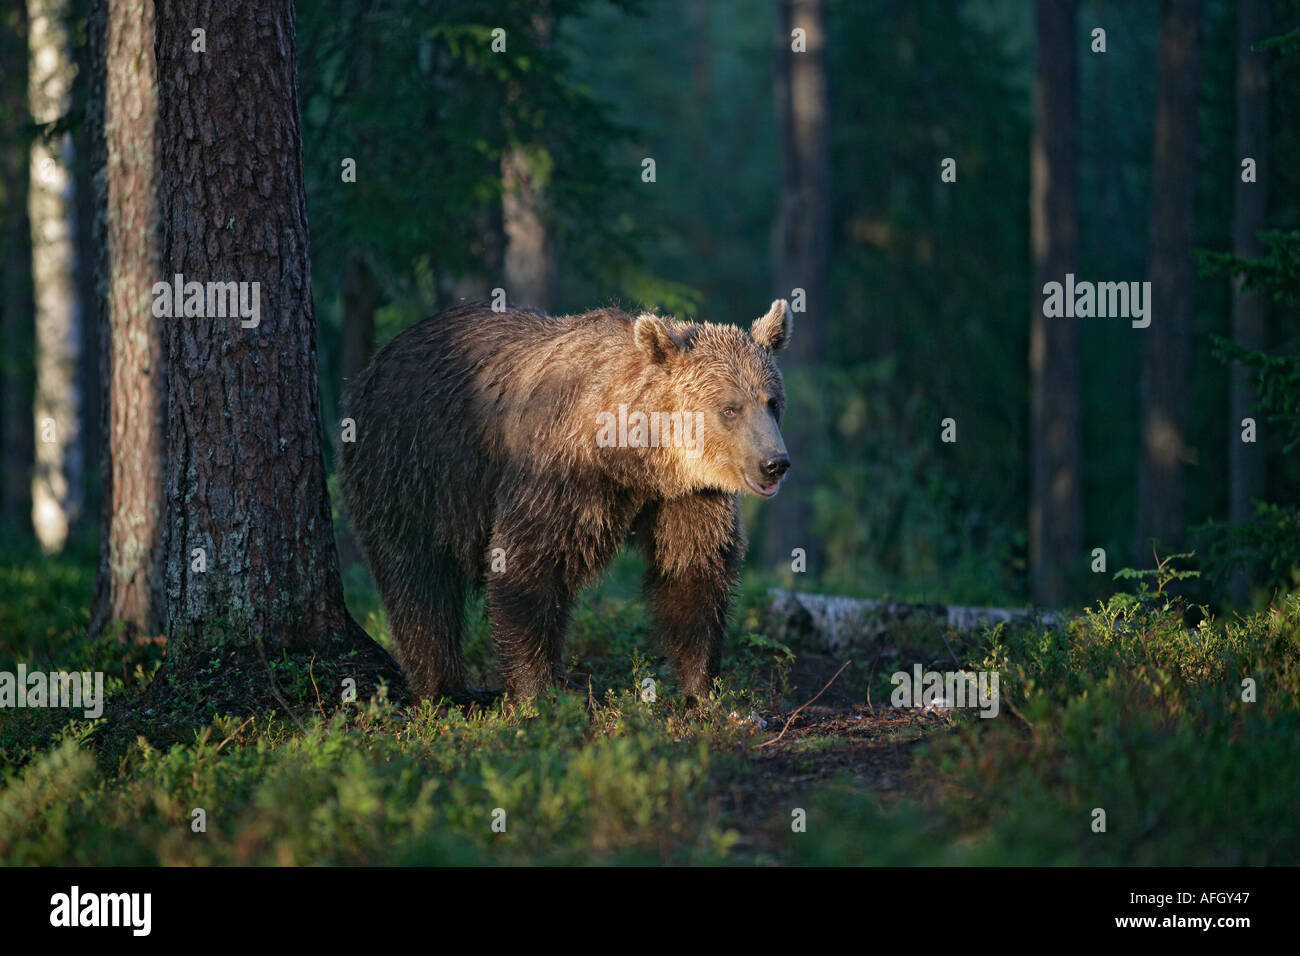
[{"x": 840, "y": 625}]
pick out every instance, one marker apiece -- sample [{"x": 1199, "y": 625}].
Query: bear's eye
[
  {"x": 772, "y": 404},
  {"x": 729, "y": 412}
]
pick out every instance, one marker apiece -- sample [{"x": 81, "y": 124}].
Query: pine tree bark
[
  {"x": 801, "y": 261},
  {"x": 244, "y": 475},
  {"x": 17, "y": 381},
  {"x": 1172, "y": 273},
  {"x": 1249, "y": 309},
  {"x": 1056, "y": 509},
  {"x": 124, "y": 117},
  {"x": 58, "y": 484}
]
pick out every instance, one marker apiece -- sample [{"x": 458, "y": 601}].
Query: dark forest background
[
  {"x": 476, "y": 170},
  {"x": 170, "y": 522}
]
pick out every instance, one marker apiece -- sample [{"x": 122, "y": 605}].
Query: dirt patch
[{"x": 838, "y": 737}]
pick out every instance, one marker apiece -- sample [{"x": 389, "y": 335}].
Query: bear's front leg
[{"x": 694, "y": 549}]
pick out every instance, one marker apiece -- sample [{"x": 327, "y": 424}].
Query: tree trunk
[
  {"x": 58, "y": 485},
  {"x": 87, "y": 145},
  {"x": 801, "y": 261},
  {"x": 843, "y": 625},
  {"x": 530, "y": 252},
  {"x": 1249, "y": 315},
  {"x": 124, "y": 116},
  {"x": 1172, "y": 273},
  {"x": 17, "y": 440},
  {"x": 1055, "y": 508},
  {"x": 703, "y": 43},
  {"x": 244, "y": 475},
  {"x": 803, "y": 219}
]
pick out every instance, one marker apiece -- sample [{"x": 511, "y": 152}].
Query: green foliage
[
  {"x": 1285, "y": 43},
  {"x": 1124, "y": 710},
  {"x": 1276, "y": 273},
  {"x": 1276, "y": 379},
  {"x": 1267, "y": 545},
  {"x": 377, "y": 787},
  {"x": 43, "y": 617},
  {"x": 691, "y": 85},
  {"x": 35, "y": 806},
  {"x": 623, "y": 781},
  {"x": 909, "y": 84},
  {"x": 1163, "y": 574},
  {"x": 893, "y": 507},
  {"x": 412, "y": 91},
  {"x": 42, "y": 599}
]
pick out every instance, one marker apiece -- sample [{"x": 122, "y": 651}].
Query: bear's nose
[{"x": 775, "y": 467}]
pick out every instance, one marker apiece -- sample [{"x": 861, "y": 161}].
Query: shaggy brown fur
[{"x": 478, "y": 430}]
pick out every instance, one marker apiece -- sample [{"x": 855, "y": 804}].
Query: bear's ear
[
  {"x": 653, "y": 336},
  {"x": 772, "y": 331}
]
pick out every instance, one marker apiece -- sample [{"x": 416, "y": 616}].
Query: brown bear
[{"x": 519, "y": 451}]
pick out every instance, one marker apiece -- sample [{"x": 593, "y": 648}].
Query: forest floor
[{"x": 800, "y": 757}]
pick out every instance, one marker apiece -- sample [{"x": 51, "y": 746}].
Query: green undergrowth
[
  {"x": 1186, "y": 738},
  {"x": 1124, "y": 738}
]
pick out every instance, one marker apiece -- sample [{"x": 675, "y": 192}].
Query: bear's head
[{"x": 726, "y": 380}]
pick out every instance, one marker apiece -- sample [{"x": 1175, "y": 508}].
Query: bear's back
[
  {"x": 502, "y": 384},
  {"x": 454, "y": 404}
]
